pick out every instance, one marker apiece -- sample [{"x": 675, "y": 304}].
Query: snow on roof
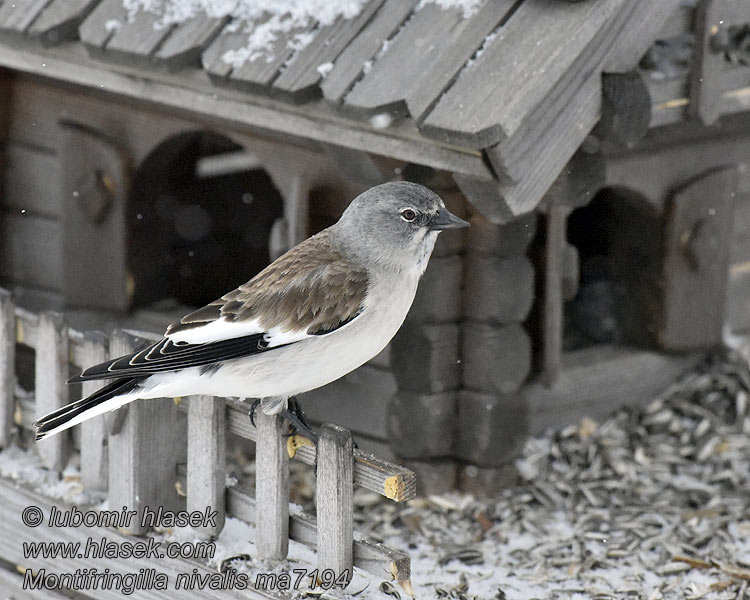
[{"x": 265, "y": 20}]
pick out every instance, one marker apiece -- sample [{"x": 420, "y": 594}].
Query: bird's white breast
[{"x": 310, "y": 363}]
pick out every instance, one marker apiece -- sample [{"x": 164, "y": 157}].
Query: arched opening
[
  {"x": 198, "y": 221},
  {"x": 619, "y": 240}
]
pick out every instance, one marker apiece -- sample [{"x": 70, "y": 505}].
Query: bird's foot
[{"x": 297, "y": 421}]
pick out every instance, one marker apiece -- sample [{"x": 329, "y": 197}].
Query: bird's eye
[{"x": 408, "y": 214}]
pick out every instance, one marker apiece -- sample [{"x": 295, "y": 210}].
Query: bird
[{"x": 316, "y": 313}]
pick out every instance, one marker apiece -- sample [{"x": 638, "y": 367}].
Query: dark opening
[
  {"x": 619, "y": 240},
  {"x": 199, "y": 220}
]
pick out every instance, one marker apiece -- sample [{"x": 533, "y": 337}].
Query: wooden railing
[{"x": 136, "y": 453}]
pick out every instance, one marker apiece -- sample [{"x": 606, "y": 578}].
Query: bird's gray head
[{"x": 393, "y": 226}]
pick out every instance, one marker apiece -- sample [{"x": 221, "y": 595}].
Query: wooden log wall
[
  {"x": 145, "y": 453},
  {"x": 499, "y": 292},
  {"x": 426, "y": 361}
]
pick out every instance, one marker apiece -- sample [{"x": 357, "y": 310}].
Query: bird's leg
[
  {"x": 253, "y": 408},
  {"x": 297, "y": 420}
]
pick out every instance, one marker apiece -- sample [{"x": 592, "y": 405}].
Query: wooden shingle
[
  {"x": 59, "y": 21},
  {"x": 17, "y": 17},
  {"x": 97, "y": 29},
  {"x": 516, "y": 71},
  {"x": 351, "y": 63},
  {"x": 301, "y": 73},
  {"x": 424, "y": 57},
  {"x": 187, "y": 41},
  {"x": 137, "y": 41}
]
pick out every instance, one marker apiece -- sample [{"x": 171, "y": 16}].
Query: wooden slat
[
  {"x": 59, "y": 21},
  {"x": 96, "y": 30},
  {"x": 95, "y": 187},
  {"x": 187, "y": 42},
  {"x": 27, "y": 327},
  {"x": 7, "y": 367},
  {"x": 144, "y": 453},
  {"x": 25, "y": 189},
  {"x": 696, "y": 266},
  {"x": 136, "y": 41},
  {"x": 424, "y": 57},
  {"x": 271, "y": 484},
  {"x": 334, "y": 495},
  {"x": 379, "y": 476},
  {"x": 263, "y": 68},
  {"x": 94, "y": 442},
  {"x": 49, "y": 384},
  {"x": 206, "y": 466},
  {"x": 350, "y": 64},
  {"x": 370, "y": 556},
  {"x": 517, "y": 70},
  {"x": 30, "y": 250},
  {"x": 301, "y": 74},
  {"x": 17, "y": 16},
  {"x": 553, "y": 291}
]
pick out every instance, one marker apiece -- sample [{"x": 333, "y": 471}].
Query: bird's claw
[{"x": 253, "y": 408}]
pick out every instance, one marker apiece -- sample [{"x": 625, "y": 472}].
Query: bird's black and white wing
[{"x": 309, "y": 291}]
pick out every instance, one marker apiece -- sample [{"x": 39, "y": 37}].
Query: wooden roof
[{"x": 504, "y": 97}]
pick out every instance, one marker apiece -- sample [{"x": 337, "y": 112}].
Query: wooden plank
[
  {"x": 557, "y": 220},
  {"x": 95, "y": 189},
  {"x": 59, "y": 21},
  {"x": 100, "y": 25},
  {"x": 144, "y": 453},
  {"x": 30, "y": 251},
  {"x": 136, "y": 41},
  {"x": 186, "y": 43},
  {"x": 94, "y": 434},
  {"x": 7, "y": 367},
  {"x": 424, "y": 57},
  {"x": 49, "y": 384},
  {"x": 300, "y": 75},
  {"x": 597, "y": 381},
  {"x": 369, "y": 556},
  {"x": 335, "y": 501},
  {"x": 493, "y": 96},
  {"x": 260, "y": 70},
  {"x": 696, "y": 266},
  {"x": 207, "y": 459},
  {"x": 32, "y": 181},
  {"x": 271, "y": 484},
  {"x": 190, "y": 98},
  {"x": 16, "y": 17},
  {"x": 626, "y": 108},
  {"x": 370, "y": 472}
]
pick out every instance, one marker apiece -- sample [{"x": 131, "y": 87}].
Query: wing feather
[{"x": 309, "y": 291}]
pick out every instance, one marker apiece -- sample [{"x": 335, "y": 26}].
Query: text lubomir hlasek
[{"x": 124, "y": 518}]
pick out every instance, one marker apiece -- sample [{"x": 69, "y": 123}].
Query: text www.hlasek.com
[{"x": 103, "y": 548}]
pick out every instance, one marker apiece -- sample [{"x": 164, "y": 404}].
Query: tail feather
[{"x": 108, "y": 398}]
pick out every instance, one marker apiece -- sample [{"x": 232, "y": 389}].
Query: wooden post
[
  {"x": 206, "y": 464},
  {"x": 334, "y": 498},
  {"x": 271, "y": 487},
  {"x": 51, "y": 391},
  {"x": 143, "y": 453},
  {"x": 553, "y": 290},
  {"x": 7, "y": 366},
  {"x": 94, "y": 460}
]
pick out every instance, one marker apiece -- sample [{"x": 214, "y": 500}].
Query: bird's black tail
[{"x": 108, "y": 398}]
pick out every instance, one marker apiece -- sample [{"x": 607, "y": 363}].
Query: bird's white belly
[{"x": 304, "y": 365}]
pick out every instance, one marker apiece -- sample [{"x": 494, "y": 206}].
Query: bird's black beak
[{"x": 445, "y": 220}]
